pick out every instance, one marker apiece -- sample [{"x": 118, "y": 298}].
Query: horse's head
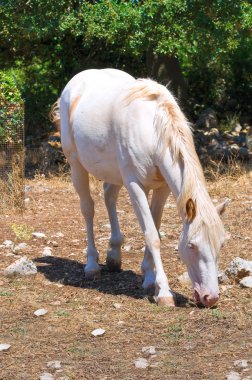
[{"x": 199, "y": 248}]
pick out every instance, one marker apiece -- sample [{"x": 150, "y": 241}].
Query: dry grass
[{"x": 191, "y": 343}]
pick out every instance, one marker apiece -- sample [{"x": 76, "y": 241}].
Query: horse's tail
[{"x": 54, "y": 114}]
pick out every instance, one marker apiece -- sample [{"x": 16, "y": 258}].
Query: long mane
[{"x": 174, "y": 132}]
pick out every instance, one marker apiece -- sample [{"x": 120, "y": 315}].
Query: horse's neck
[{"x": 172, "y": 171}]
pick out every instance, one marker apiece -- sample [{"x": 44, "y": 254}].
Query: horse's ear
[
  {"x": 222, "y": 207},
  {"x": 190, "y": 210}
]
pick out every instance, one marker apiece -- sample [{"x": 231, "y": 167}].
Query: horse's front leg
[
  {"x": 139, "y": 200},
  {"x": 158, "y": 200},
  {"x": 80, "y": 180},
  {"x": 114, "y": 255}
]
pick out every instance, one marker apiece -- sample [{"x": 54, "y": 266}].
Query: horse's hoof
[
  {"x": 113, "y": 266},
  {"x": 93, "y": 275},
  {"x": 166, "y": 301},
  {"x": 150, "y": 290}
]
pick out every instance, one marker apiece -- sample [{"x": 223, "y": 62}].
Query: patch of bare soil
[{"x": 190, "y": 342}]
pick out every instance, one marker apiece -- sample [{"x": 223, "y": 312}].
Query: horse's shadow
[{"x": 71, "y": 272}]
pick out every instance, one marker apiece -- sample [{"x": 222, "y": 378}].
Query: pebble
[
  {"x": 47, "y": 251},
  {"x": 58, "y": 235},
  {"x": 141, "y": 363},
  {"x": 20, "y": 247},
  {"x": 117, "y": 305},
  {"x": 54, "y": 364},
  {"x": 246, "y": 282},
  {"x": 4, "y": 346},
  {"x": 149, "y": 350},
  {"x": 22, "y": 267},
  {"x": 127, "y": 248},
  {"x": 46, "y": 376},
  {"x": 40, "y": 312},
  {"x": 98, "y": 332},
  {"x": 8, "y": 244},
  {"x": 233, "y": 376},
  {"x": 242, "y": 363},
  {"x": 39, "y": 235}
]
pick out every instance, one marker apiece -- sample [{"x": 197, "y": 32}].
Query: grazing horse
[{"x": 132, "y": 132}]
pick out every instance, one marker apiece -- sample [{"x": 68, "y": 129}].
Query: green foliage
[
  {"x": 49, "y": 42},
  {"x": 11, "y": 111},
  {"x": 22, "y": 231}
]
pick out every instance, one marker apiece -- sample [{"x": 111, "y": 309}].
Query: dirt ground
[{"x": 190, "y": 342}]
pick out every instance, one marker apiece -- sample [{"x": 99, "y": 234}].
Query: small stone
[
  {"x": 8, "y": 244},
  {"x": 184, "y": 279},
  {"x": 242, "y": 363},
  {"x": 149, "y": 350},
  {"x": 39, "y": 235},
  {"x": 54, "y": 364},
  {"x": 233, "y": 376},
  {"x": 46, "y": 376},
  {"x": 20, "y": 247},
  {"x": 58, "y": 235},
  {"x": 22, "y": 267},
  {"x": 40, "y": 312},
  {"x": 246, "y": 282},
  {"x": 107, "y": 226},
  {"x": 222, "y": 278},
  {"x": 98, "y": 332},
  {"x": 47, "y": 251},
  {"x": 141, "y": 363},
  {"x": 127, "y": 248},
  {"x": 117, "y": 305},
  {"x": 4, "y": 346}
]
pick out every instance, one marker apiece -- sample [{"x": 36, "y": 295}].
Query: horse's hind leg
[
  {"x": 158, "y": 200},
  {"x": 80, "y": 180},
  {"x": 114, "y": 256}
]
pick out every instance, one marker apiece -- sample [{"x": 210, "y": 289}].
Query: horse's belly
[{"x": 101, "y": 162}]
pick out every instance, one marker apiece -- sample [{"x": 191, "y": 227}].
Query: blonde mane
[{"x": 174, "y": 131}]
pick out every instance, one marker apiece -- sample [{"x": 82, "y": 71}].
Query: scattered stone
[
  {"x": 117, "y": 305},
  {"x": 242, "y": 363},
  {"x": 184, "y": 279},
  {"x": 207, "y": 120},
  {"x": 98, "y": 332},
  {"x": 223, "y": 278},
  {"x": 233, "y": 376},
  {"x": 58, "y": 235},
  {"x": 47, "y": 251},
  {"x": 40, "y": 312},
  {"x": 127, "y": 248},
  {"x": 20, "y": 247},
  {"x": 39, "y": 235},
  {"x": 46, "y": 376},
  {"x": 4, "y": 346},
  {"x": 246, "y": 282},
  {"x": 149, "y": 350},
  {"x": 8, "y": 244},
  {"x": 107, "y": 226},
  {"x": 54, "y": 364},
  {"x": 141, "y": 363},
  {"x": 239, "y": 268},
  {"x": 22, "y": 267}
]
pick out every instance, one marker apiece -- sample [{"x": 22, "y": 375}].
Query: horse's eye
[{"x": 192, "y": 246}]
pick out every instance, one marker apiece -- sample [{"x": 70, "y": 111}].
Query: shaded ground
[{"x": 191, "y": 343}]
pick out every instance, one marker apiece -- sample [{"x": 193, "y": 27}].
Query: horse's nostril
[
  {"x": 209, "y": 300},
  {"x": 206, "y": 299}
]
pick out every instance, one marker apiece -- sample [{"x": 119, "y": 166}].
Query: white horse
[{"x": 132, "y": 132}]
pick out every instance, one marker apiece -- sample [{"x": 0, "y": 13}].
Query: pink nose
[{"x": 209, "y": 300}]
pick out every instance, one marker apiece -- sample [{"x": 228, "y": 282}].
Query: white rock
[
  {"x": 54, "y": 364},
  {"x": 246, "y": 282},
  {"x": 47, "y": 251},
  {"x": 4, "y": 346},
  {"x": 127, "y": 248},
  {"x": 239, "y": 268},
  {"x": 107, "y": 226},
  {"x": 141, "y": 363},
  {"x": 39, "y": 235},
  {"x": 117, "y": 305},
  {"x": 222, "y": 277},
  {"x": 46, "y": 376},
  {"x": 98, "y": 332},
  {"x": 20, "y": 247},
  {"x": 233, "y": 376},
  {"x": 22, "y": 267},
  {"x": 8, "y": 244},
  {"x": 184, "y": 279},
  {"x": 149, "y": 350},
  {"x": 58, "y": 235},
  {"x": 40, "y": 312},
  {"x": 242, "y": 363}
]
